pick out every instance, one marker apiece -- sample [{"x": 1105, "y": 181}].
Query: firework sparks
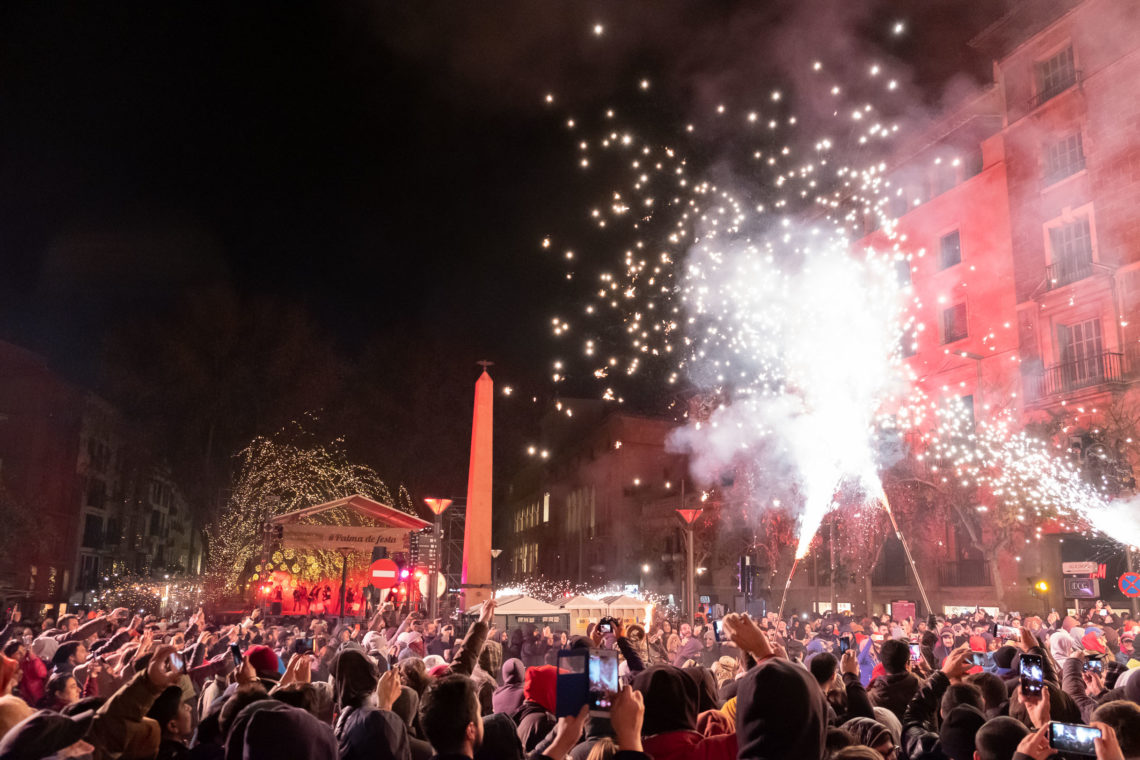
[{"x": 750, "y": 291}]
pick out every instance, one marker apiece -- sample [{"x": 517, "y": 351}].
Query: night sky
[{"x": 390, "y": 167}]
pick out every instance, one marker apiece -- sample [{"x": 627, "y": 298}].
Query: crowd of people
[{"x": 113, "y": 685}]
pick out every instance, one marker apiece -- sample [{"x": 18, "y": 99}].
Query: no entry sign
[
  {"x": 382, "y": 573},
  {"x": 1130, "y": 584}
]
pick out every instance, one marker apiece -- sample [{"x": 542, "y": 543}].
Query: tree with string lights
[{"x": 281, "y": 474}]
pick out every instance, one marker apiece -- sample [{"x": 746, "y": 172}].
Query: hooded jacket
[
  {"x": 670, "y": 727},
  {"x": 781, "y": 713},
  {"x": 268, "y": 730},
  {"x": 707, "y": 697},
  {"x": 508, "y": 698},
  {"x": 536, "y": 716},
  {"x": 362, "y": 731}
]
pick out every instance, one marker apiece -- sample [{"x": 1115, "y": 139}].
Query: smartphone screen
[
  {"x": 603, "y": 680},
  {"x": 605, "y": 628},
  {"x": 1004, "y": 632},
  {"x": 235, "y": 651},
  {"x": 177, "y": 662},
  {"x": 718, "y": 630},
  {"x": 915, "y": 653},
  {"x": 1074, "y": 738},
  {"x": 573, "y": 684},
  {"x": 1097, "y": 666},
  {"x": 1032, "y": 678},
  {"x": 844, "y": 644}
]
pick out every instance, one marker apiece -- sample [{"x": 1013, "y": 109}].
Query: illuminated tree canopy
[{"x": 277, "y": 475}]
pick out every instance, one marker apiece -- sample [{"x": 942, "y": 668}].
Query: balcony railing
[
  {"x": 965, "y": 572},
  {"x": 1055, "y": 89},
  {"x": 1068, "y": 270},
  {"x": 1099, "y": 369}
]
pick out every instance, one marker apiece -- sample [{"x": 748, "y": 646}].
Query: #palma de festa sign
[{"x": 334, "y": 537}]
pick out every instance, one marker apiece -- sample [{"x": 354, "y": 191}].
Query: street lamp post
[
  {"x": 641, "y": 581},
  {"x": 437, "y": 507},
  {"x": 494, "y": 556},
  {"x": 689, "y": 517}
]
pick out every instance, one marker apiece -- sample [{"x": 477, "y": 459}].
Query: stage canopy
[
  {"x": 303, "y": 533},
  {"x": 392, "y": 529}
]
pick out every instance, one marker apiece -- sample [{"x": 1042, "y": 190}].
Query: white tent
[
  {"x": 627, "y": 609},
  {"x": 520, "y": 610},
  {"x": 583, "y": 611}
]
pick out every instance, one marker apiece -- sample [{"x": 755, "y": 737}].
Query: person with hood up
[
  {"x": 271, "y": 730},
  {"x": 509, "y": 697},
  {"x": 47, "y": 734},
  {"x": 944, "y": 647},
  {"x": 366, "y": 728},
  {"x": 871, "y": 733},
  {"x": 535, "y": 718},
  {"x": 781, "y": 712},
  {"x": 1061, "y": 646},
  {"x": 407, "y": 707},
  {"x": 670, "y": 728}
]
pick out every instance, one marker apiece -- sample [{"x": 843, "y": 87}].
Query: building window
[
  {"x": 88, "y": 572},
  {"x": 1071, "y": 246},
  {"x": 1064, "y": 158},
  {"x": 1081, "y": 349},
  {"x": 155, "y": 523},
  {"x": 546, "y": 507},
  {"x": 954, "y": 323},
  {"x": 93, "y": 532},
  {"x": 1055, "y": 75},
  {"x": 950, "y": 250},
  {"x": 96, "y": 493}
]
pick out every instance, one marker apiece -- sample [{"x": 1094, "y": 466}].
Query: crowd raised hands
[{"x": 943, "y": 688}]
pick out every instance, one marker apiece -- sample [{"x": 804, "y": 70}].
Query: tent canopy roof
[
  {"x": 582, "y": 601},
  {"x": 362, "y": 505},
  {"x": 521, "y": 604}
]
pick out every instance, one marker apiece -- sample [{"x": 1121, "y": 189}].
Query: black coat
[{"x": 368, "y": 733}]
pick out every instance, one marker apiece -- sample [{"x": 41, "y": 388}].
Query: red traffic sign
[
  {"x": 1130, "y": 584},
  {"x": 383, "y": 573}
]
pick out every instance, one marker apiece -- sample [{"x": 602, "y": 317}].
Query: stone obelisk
[{"x": 477, "y": 529}]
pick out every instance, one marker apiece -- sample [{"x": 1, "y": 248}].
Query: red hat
[
  {"x": 263, "y": 659},
  {"x": 977, "y": 643},
  {"x": 1092, "y": 643},
  {"x": 540, "y": 685}
]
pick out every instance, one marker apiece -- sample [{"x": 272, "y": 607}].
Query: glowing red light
[{"x": 404, "y": 574}]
